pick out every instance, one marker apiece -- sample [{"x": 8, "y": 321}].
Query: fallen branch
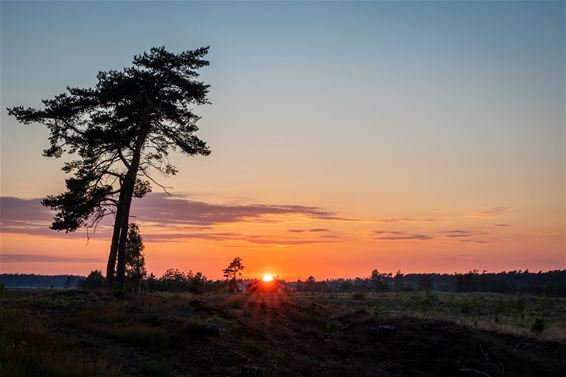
[
  {"x": 500, "y": 368},
  {"x": 474, "y": 371}
]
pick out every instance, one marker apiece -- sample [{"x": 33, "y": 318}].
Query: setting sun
[{"x": 267, "y": 278}]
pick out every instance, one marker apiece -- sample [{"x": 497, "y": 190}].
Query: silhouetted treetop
[{"x": 154, "y": 96}]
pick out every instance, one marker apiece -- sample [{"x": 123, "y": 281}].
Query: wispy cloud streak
[
  {"x": 41, "y": 258},
  {"x": 408, "y": 220},
  {"x": 184, "y": 218},
  {"x": 399, "y": 236},
  {"x": 229, "y": 236},
  {"x": 491, "y": 212},
  {"x": 162, "y": 208}
]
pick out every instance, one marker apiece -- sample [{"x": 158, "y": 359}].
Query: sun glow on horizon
[{"x": 267, "y": 278}]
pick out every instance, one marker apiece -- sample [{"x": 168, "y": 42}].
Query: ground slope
[{"x": 74, "y": 333}]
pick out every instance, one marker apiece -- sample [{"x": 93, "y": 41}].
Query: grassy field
[
  {"x": 512, "y": 314},
  {"x": 79, "y": 333}
]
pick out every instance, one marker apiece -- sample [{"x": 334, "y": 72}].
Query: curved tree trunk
[
  {"x": 121, "y": 266},
  {"x": 111, "y": 265},
  {"x": 128, "y": 192}
]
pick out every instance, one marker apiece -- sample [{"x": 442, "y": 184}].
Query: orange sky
[{"x": 295, "y": 245}]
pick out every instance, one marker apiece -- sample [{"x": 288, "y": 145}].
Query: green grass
[{"x": 506, "y": 313}]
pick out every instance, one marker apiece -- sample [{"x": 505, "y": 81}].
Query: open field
[{"x": 79, "y": 333}]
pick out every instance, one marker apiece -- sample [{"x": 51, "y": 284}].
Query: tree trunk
[
  {"x": 128, "y": 191},
  {"x": 111, "y": 265},
  {"x": 121, "y": 267}
]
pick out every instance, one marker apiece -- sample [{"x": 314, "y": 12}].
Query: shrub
[
  {"x": 520, "y": 305},
  {"x": 174, "y": 280},
  {"x": 93, "y": 280},
  {"x": 538, "y": 325},
  {"x": 358, "y": 296}
]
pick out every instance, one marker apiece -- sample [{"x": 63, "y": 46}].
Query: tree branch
[
  {"x": 123, "y": 158},
  {"x": 164, "y": 188}
]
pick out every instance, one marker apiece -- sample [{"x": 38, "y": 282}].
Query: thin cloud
[
  {"x": 474, "y": 241},
  {"x": 16, "y": 210},
  {"x": 41, "y": 258},
  {"x": 230, "y": 236},
  {"x": 399, "y": 236},
  {"x": 162, "y": 208},
  {"x": 314, "y": 230},
  {"x": 188, "y": 218},
  {"x": 503, "y": 225},
  {"x": 28, "y": 216},
  {"x": 466, "y": 236},
  {"x": 459, "y": 233},
  {"x": 494, "y": 210},
  {"x": 408, "y": 220},
  {"x": 491, "y": 212}
]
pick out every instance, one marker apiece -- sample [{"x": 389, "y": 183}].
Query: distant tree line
[
  {"x": 173, "y": 280},
  {"x": 550, "y": 283},
  {"x": 40, "y": 281},
  {"x": 137, "y": 279}
]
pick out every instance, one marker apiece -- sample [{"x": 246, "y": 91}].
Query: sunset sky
[{"x": 421, "y": 137}]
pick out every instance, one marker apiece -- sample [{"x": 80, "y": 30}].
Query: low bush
[
  {"x": 538, "y": 325},
  {"x": 358, "y": 296}
]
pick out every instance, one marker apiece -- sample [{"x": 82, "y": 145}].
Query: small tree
[
  {"x": 378, "y": 280},
  {"x": 398, "y": 282},
  {"x": 135, "y": 260},
  {"x": 196, "y": 282},
  {"x": 173, "y": 280},
  {"x": 538, "y": 325},
  {"x": 233, "y": 272},
  {"x": 93, "y": 280}
]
